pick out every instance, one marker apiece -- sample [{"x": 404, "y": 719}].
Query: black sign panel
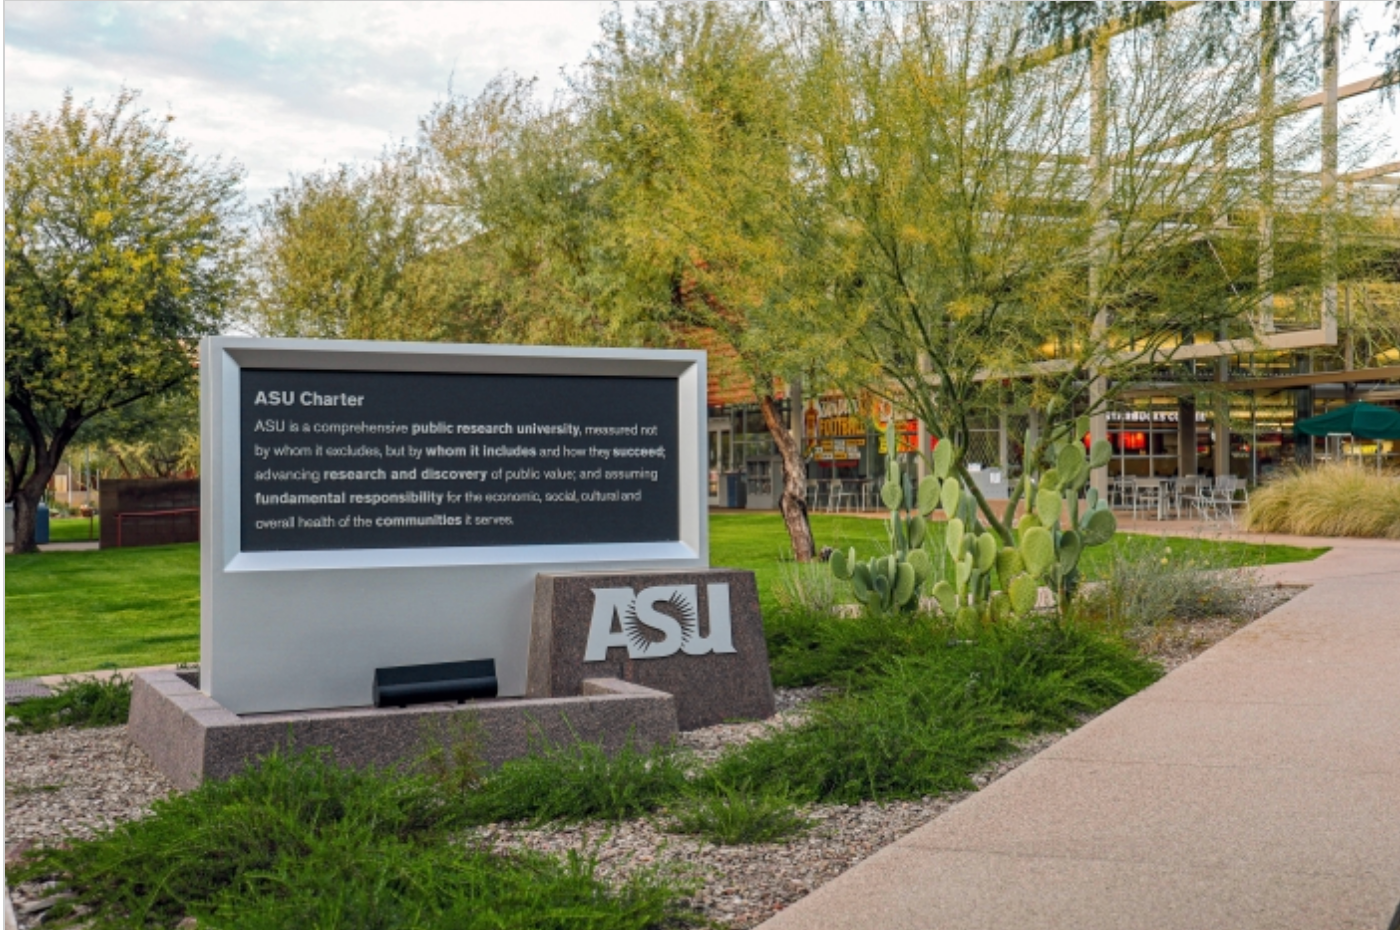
[{"x": 394, "y": 460}]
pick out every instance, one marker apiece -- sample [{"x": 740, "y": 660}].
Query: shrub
[
  {"x": 300, "y": 842},
  {"x": 922, "y": 724},
  {"x": 1337, "y": 499},
  {"x": 1145, "y": 583},
  {"x": 86, "y": 702},
  {"x": 727, "y": 815},
  {"x": 579, "y": 781}
]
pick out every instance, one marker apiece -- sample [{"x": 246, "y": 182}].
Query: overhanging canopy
[{"x": 1365, "y": 421}]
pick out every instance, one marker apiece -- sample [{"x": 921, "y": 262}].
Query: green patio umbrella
[{"x": 1364, "y": 421}]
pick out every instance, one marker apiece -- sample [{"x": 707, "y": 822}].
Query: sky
[
  {"x": 286, "y": 87},
  {"x": 292, "y": 87}
]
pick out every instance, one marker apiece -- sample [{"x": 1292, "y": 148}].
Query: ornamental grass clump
[
  {"x": 1336, "y": 499},
  {"x": 1146, "y": 584}
]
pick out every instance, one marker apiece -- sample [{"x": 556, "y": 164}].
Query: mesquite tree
[{"x": 119, "y": 255}]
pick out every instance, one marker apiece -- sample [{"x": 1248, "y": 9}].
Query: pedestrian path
[{"x": 1255, "y": 788}]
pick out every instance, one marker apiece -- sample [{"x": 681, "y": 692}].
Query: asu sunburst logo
[{"x": 658, "y": 622}]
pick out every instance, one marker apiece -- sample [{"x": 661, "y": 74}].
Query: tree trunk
[
  {"x": 26, "y": 501},
  {"x": 29, "y": 489},
  {"x": 793, "y": 503}
]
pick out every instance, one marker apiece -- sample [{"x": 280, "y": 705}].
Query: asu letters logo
[{"x": 651, "y": 633}]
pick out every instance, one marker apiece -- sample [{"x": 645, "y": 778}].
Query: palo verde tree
[
  {"x": 690, "y": 112},
  {"x": 355, "y": 253},
  {"x": 1008, "y": 217},
  {"x": 120, "y": 253},
  {"x": 531, "y": 212}
]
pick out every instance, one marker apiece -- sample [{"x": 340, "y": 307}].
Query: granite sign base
[
  {"x": 696, "y": 635},
  {"x": 191, "y": 737}
]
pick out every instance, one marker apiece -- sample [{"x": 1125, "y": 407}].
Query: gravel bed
[
  {"x": 1173, "y": 645},
  {"x": 742, "y": 886},
  {"x": 75, "y": 782}
]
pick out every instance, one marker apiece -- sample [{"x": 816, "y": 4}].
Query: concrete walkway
[{"x": 1255, "y": 788}]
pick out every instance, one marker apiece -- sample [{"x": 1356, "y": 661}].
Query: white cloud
[{"x": 286, "y": 86}]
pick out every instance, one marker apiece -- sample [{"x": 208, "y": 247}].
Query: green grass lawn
[
  {"x": 74, "y": 529},
  {"x": 122, "y": 608},
  {"x": 114, "y": 608}
]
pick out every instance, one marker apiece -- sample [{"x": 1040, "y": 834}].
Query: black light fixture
[{"x": 403, "y": 685}]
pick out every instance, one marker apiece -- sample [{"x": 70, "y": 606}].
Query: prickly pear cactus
[
  {"x": 990, "y": 581},
  {"x": 894, "y": 582},
  {"x": 1052, "y": 538}
]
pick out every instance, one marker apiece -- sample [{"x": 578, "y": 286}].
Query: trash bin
[
  {"x": 736, "y": 494},
  {"x": 41, "y": 524}
]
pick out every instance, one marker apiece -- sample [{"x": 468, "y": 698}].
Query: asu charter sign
[{"x": 696, "y": 635}]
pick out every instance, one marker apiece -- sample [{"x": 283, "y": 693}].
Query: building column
[
  {"x": 1101, "y": 182},
  {"x": 1186, "y": 437},
  {"x": 1221, "y": 426}
]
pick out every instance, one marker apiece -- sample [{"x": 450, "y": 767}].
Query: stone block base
[{"x": 190, "y": 736}]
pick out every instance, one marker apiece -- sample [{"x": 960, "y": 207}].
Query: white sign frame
[{"x": 301, "y": 630}]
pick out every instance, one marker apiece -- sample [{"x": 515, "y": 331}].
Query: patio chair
[
  {"x": 838, "y": 496},
  {"x": 1188, "y": 492},
  {"x": 1147, "y": 494}
]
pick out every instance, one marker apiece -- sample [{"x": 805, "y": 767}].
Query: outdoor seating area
[{"x": 1190, "y": 497}]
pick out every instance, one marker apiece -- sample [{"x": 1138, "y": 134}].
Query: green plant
[
  {"x": 729, "y": 815},
  {"x": 579, "y": 781},
  {"x": 806, "y": 586},
  {"x": 1048, "y": 549},
  {"x": 1150, "y": 581},
  {"x": 892, "y": 582},
  {"x": 1335, "y": 499},
  {"x": 923, "y": 722},
  {"x": 1045, "y": 550},
  {"x": 87, "y": 702},
  {"x": 299, "y": 842}
]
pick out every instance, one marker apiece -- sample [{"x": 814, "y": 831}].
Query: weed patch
[{"x": 74, "y": 703}]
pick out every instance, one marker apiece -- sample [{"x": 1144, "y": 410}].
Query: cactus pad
[
  {"x": 1038, "y": 550},
  {"x": 917, "y": 529},
  {"x": 950, "y": 495},
  {"x": 904, "y": 585},
  {"x": 954, "y": 537},
  {"x": 1100, "y": 454},
  {"x": 942, "y": 459},
  {"x": 929, "y": 489},
  {"x": 1023, "y": 592},
  {"x": 1048, "y": 504},
  {"x": 1098, "y": 527},
  {"x": 946, "y": 597},
  {"x": 1069, "y": 549},
  {"x": 1009, "y": 563},
  {"x": 986, "y": 552},
  {"x": 891, "y": 495},
  {"x": 922, "y": 564}
]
